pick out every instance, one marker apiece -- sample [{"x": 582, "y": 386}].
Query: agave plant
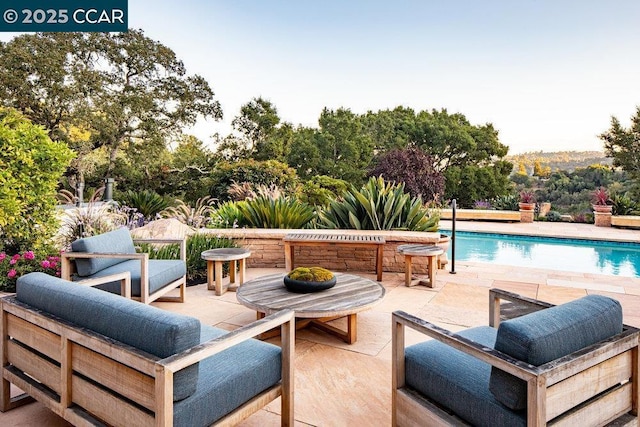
[
  {"x": 379, "y": 206},
  {"x": 197, "y": 216},
  {"x": 281, "y": 212}
]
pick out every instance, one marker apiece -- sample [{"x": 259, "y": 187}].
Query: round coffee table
[
  {"x": 351, "y": 295},
  {"x": 217, "y": 257}
]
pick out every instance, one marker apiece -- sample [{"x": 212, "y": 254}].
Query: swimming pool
[{"x": 585, "y": 256}]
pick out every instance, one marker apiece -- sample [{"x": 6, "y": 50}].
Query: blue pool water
[{"x": 586, "y": 256}]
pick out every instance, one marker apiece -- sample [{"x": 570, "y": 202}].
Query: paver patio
[{"x": 338, "y": 384}]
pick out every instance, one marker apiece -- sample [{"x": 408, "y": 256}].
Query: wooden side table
[
  {"x": 215, "y": 257},
  {"x": 430, "y": 251}
]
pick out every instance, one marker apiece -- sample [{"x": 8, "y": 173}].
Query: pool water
[{"x": 585, "y": 256}]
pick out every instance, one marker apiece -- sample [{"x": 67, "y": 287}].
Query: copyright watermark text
[{"x": 65, "y": 15}]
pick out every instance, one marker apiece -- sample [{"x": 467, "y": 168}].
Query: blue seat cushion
[
  {"x": 117, "y": 241},
  {"x": 546, "y": 335},
  {"x": 457, "y": 381},
  {"x": 228, "y": 379},
  {"x": 161, "y": 272},
  {"x": 157, "y": 332}
]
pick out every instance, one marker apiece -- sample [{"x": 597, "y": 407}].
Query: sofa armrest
[
  {"x": 124, "y": 278},
  {"x": 284, "y": 319},
  {"x": 500, "y": 360},
  {"x": 520, "y": 305},
  {"x": 66, "y": 267},
  {"x": 182, "y": 242}
]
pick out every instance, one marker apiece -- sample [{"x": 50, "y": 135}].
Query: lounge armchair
[
  {"x": 101, "y": 261},
  {"x": 572, "y": 364},
  {"x": 95, "y": 358}
]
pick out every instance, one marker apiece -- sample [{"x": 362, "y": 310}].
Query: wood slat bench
[{"x": 292, "y": 240}]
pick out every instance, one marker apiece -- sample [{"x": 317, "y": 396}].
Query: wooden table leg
[
  {"x": 352, "y": 328},
  {"x": 288, "y": 256},
  {"x": 232, "y": 275},
  {"x": 242, "y": 272},
  {"x": 432, "y": 266},
  {"x": 407, "y": 270},
  {"x": 219, "y": 290},
  {"x": 210, "y": 285},
  {"x": 232, "y": 271}
]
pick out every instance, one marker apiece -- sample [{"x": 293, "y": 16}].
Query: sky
[{"x": 547, "y": 74}]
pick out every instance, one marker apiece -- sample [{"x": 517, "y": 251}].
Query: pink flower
[
  {"x": 2, "y": 256},
  {"x": 29, "y": 255},
  {"x": 53, "y": 264},
  {"x": 13, "y": 261},
  {"x": 45, "y": 264},
  {"x": 16, "y": 257},
  {"x": 11, "y": 274}
]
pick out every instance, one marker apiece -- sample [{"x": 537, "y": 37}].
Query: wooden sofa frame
[
  {"x": 51, "y": 359},
  {"x": 555, "y": 389},
  {"x": 68, "y": 269}
]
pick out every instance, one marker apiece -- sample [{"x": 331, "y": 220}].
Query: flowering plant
[{"x": 14, "y": 266}]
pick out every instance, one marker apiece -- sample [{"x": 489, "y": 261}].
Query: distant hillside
[{"x": 560, "y": 160}]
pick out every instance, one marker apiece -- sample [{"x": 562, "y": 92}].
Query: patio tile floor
[{"x": 338, "y": 384}]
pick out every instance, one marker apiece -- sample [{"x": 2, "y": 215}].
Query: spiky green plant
[
  {"x": 228, "y": 215},
  {"x": 197, "y": 216},
  {"x": 281, "y": 212},
  {"x": 196, "y": 244},
  {"x": 379, "y": 206},
  {"x": 147, "y": 202}
]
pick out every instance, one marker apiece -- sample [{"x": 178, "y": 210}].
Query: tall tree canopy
[
  {"x": 109, "y": 91},
  {"x": 623, "y": 145}
]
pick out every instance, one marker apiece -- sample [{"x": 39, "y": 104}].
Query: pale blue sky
[{"x": 547, "y": 74}]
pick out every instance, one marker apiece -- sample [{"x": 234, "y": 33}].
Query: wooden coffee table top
[{"x": 351, "y": 294}]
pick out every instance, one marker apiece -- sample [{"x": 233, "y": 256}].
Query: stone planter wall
[{"x": 267, "y": 250}]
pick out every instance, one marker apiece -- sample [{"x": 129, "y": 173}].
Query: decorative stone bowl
[{"x": 303, "y": 280}]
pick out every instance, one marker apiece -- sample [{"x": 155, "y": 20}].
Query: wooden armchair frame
[
  {"x": 555, "y": 390},
  {"x": 50, "y": 359},
  {"x": 68, "y": 268}
]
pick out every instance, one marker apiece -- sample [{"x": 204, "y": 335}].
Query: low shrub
[
  {"x": 508, "y": 202},
  {"x": 553, "y": 216},
  {"x": 196, "y": 244}
]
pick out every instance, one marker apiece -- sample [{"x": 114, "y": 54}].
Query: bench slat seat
[{"x": 369, "y": 241}]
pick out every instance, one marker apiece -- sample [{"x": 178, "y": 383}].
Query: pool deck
[{"x": 338, "y": 384}]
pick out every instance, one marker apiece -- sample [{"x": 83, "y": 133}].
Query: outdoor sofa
[
  {"x": 106, "y": 260},
  {"x": 96, "y": 358},
  {"x": 575, "y": 364}
]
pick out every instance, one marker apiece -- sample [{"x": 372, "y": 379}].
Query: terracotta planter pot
[
  {"x": 526, "y": 206},
  {"x": 603, "y": 208}
]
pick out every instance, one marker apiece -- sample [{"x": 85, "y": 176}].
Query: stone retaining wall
[{"x": 267, "y": 249}]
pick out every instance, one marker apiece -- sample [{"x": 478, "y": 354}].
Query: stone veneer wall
[{"x": 267, "y": 249}]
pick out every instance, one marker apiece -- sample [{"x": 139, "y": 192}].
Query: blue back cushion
[
  {"x": 158, "y": 332},
  {"x": 549, "y": 334},
  {"x": 117, "y": 241}
]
